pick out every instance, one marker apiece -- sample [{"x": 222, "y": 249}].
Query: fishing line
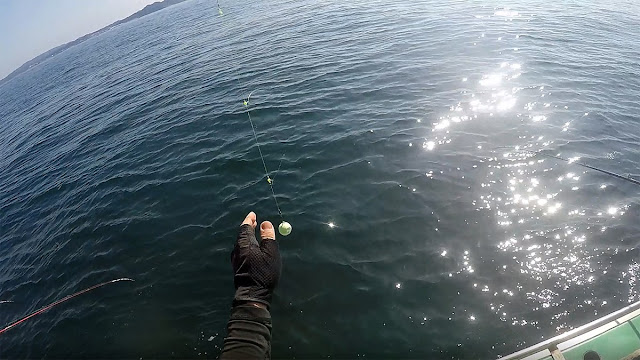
[
  {"x": 69, "y": 297},
  {"x": 219, "y": 8},
  {"x": 284, "y": 228},
  {"x": 627, "y": 178}
]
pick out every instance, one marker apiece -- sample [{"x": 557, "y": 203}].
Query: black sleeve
[{"x": 248, "y": 334}]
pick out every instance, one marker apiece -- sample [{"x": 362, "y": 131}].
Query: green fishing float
[{"x": 284, "y": 228}]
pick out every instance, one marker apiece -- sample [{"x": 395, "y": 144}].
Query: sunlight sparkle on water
[
  {"x": 507, "y": 103},
  {"x": 553, "y": 209},
  {"x": 443, "y": 124},
  {"x": 491, "y": 80},
  {"x": 429, "y": 145},
  {"x": 527, "y": 196}
]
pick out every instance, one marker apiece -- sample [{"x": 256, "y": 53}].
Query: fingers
[
  {"x": 246, "y": 237},
  {"x": 251, "y": 219},
  {"x": 246, "y": 234},
  {"x": 269, "y": 245},
  {"x": 267, "y": 231}
]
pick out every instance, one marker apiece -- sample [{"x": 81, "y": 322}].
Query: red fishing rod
[{"x": 69, "y": 297}]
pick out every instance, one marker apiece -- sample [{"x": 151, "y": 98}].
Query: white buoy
[{"x": 284, "y": 228}]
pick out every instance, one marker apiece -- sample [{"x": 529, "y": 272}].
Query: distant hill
[{"x": 151, "y": 8}]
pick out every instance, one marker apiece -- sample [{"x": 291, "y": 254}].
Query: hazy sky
[{"x": 30, "y": 27}]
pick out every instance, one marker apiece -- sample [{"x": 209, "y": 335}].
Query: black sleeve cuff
[{"x": 252, "y": 313}]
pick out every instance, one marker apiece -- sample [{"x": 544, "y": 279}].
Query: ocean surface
[{"x": 423, "y": 224}]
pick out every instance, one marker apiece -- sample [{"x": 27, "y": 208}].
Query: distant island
[{"x": 151, "y": 8}]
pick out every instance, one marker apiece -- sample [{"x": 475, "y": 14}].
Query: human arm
[{"x": 256, "y": 269}]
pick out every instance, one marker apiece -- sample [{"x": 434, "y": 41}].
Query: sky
[{"x": 30, "y": 27}]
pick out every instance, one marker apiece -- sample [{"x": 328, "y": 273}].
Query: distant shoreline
[{"x": 149, "y": 9}]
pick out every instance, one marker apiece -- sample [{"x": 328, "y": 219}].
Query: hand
[{"x": 256, "y": 267}]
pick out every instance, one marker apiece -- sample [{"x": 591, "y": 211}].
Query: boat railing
[{"x": 551, "y": 344}]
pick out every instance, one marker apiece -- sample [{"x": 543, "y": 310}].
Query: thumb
[{"x": 267, "y": 231}]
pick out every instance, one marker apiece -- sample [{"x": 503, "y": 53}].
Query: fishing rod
[
  {"x": 627, "y": 178},
  {"x": 58, "y": 302}
]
